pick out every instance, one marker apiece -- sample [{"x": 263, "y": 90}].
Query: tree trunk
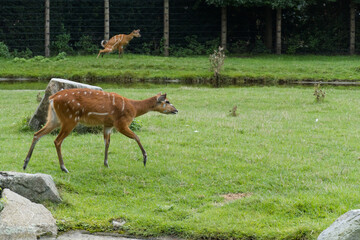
[
  {"x": 278, "y": 31},
  {"x": 352, "y": 27},
  {"x": 223, "y": 27},
  {"x": 166, "y": 28},
  {"x": 106, "y": 20},
  {"x": 268, "y": 28},
  {"x": 47, "y": 28}
]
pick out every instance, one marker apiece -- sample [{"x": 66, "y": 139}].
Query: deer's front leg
[{"x": 127, "y": 132}]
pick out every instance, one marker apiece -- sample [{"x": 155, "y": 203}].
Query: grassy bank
[
  {"x": 294, "y": 160},
  {"x": 130, "y": 68}
]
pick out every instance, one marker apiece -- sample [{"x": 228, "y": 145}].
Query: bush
[
  {"x": 27, "y": 53},
  {"x": 62, "y": 44},
  {"x": 4, "y": 50},
  {"x": 60, "y": 56},
  {"x": 194, "y": 47},
  {"x": 85, "y": 45}
]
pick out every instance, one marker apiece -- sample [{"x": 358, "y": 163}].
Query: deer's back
[{"x": 88, "y": 106}]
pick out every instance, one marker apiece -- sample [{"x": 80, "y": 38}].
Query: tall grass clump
[
  {"x": 319, "y": 93},
  {"x": 216, "y": 63}
]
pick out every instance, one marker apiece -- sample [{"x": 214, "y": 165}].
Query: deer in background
[
  {"x": 117, "y": 42},
  {"x": 69, "y": 107}
]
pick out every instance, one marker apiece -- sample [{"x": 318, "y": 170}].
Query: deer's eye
[{"x": 167, "y": 102}]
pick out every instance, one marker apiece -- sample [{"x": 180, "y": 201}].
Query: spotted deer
[
  {"x": 69, "y": 107},
  {"x": 117, "y": 42}
]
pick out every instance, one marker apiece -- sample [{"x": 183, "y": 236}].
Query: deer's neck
[
  {"x": 129, "y": 37},
  {"x": 143, "y": 106}
]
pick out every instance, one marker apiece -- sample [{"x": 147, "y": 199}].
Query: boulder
[
  {"x": 36, "y": 187},
  {"x": 23, "y": 219},
  {"x": 55, "y": 85},
  {"x": 346, "y": 227}
]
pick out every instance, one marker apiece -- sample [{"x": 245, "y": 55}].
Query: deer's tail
[{"x": 103, "y": 42}]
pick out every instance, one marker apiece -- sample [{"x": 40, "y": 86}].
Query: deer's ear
[{"x": 161, "y": 98}]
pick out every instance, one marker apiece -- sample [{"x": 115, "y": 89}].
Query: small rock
[{"x": 118, "y": 223}]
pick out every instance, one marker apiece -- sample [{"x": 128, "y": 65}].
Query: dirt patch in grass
[{"x": 235, "y": 196}]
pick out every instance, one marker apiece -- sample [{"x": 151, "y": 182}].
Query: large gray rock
[
  {"x": 23, "y": 219},
  {"x": 55, "y": 85},
  {"x": 346, "y": 227},
  {"x": 36, "y": 187}
]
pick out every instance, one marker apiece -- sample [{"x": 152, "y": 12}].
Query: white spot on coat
[
  {"x": 123, "y": 105},
  {"x": 96, "y": 113}
]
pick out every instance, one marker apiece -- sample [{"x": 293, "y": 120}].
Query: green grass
[
  {"x": 268, "y": 68},
  {"x": 301, "y": 173}
]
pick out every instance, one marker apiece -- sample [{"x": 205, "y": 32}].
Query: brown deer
[
  {"x": 117, "y": 42},
  {"x": 69, "y": 107}
]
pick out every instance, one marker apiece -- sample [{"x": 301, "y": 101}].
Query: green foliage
[
  {"x": 62, "y": 44},
  {"x": 85, "y": 45},
  {"x": 193, "y": 47},
  {"x": 136, "y": 125},
  {"x": 259, "y": 47},
  {"x": 4, "y": 50},
  {"x": 27, "y": 53},
  {"x": 41, "y": 59},
  {"x": 239, "y": 47},
  {"x": 61, "y": 56}
]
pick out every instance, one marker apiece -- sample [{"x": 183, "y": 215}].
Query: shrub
[
  {"x": 4, "y": 50},
  {"x": 62, "y": 44},
  {"x": 239, "y": 47},
  {"x": 85, "y": 45},
  {"x": 60, "y": 56},
  {"x": 27, "y": 53}
]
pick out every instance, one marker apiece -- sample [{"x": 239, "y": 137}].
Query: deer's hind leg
[
  {"x": 65, "y": 130},
  {"x": 103, "y": 51},
  {"x": 107, "y": 132},
  {"x": 52, "y": 123}
]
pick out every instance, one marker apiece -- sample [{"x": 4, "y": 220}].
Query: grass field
[
  {"x": 267, "y": 68},
  {"x": 295, "y": 161}
]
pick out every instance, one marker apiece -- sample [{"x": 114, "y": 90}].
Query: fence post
[
  {"x": 166, "y": 28},
  {"x": 278, "y": 31},
  {"x": 47, "y": 28},
  {"x": 352, "y": 27},
  {"x": 106, "y": 20},
  {"x": 223, "y": 27}
]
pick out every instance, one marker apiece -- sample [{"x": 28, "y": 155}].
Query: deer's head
[
  {"x": 163, "y": 105},
  {"x": 136, "y": 33}
]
